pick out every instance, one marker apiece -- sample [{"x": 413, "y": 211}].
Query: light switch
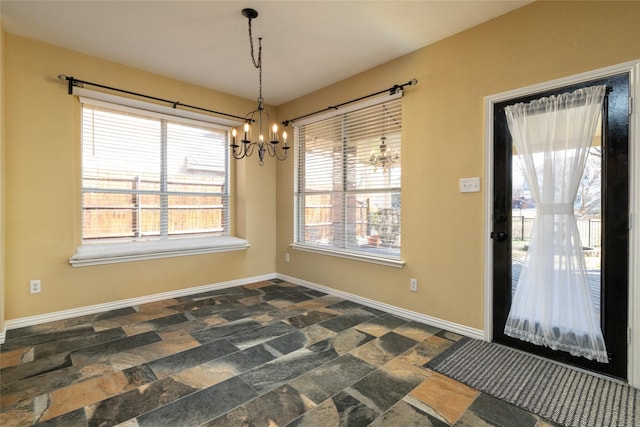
[{"x": 470, "y": 185}]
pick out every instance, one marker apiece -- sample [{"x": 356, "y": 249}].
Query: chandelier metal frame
[{"x": 271, "y": 145}]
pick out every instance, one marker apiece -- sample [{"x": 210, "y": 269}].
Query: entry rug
[{"x": 558, "y": 393}]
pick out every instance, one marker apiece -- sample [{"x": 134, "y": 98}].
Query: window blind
[
  {"x": 148, "y": 176},
  {"x": 344, "y": 199}
]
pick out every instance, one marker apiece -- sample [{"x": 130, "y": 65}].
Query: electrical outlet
[
  {"x": 286, "y": 257},
  {"x": 413, "y": 285},
  {"x": 34, "y": 286}
]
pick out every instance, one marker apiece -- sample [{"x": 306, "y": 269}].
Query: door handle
[{"x": 500, "y": 235}]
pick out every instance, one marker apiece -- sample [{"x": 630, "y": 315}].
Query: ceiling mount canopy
[{"x": 253, "y": 121}]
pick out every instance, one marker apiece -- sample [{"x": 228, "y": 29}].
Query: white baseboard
[
  {"x": 99, "y": 308},
  {"x": 407, "y": 314}
]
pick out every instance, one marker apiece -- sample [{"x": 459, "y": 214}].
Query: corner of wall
[{"x": 2, "y": 205}]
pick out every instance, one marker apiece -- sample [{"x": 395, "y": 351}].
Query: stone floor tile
[
  {"x": 276, "y": 408},
  {"x": 17, "y": 415},
  {"x": 449, "y": 398},
  {"x": 102, "y": 351},
  {"x": 383, "y": 349},
  {"x": 260, "y": 335},
  {"x": 381, "y": 389},
  {"x": 498, "y": 412},
  {"x": 270, "y": 353},
  {"x": 72, "y": 343},
  {"x": 451, "y": 336},
  {"x": 245, "y": 360},
  {"x": 342, "y": 410},
  {"x": 28, "y": 389},
  {"x": 381, "y": 325},
  {"x": 279, "y": 371},
  {"x": 48, "y": 337},
  {"x": 193, "y": 356},
  {"x": 417, "y": 331},
  {"x": 227, "y": 329},
  {"x": 310, "y": 318},
  {"x": 76, "y": 418},
  {"x": 200, "y": 407},
  {"x": 172, "y": 344},
  {"x": 35, "y": 368},
  {"x": 16, "y": 357},
  {"x": 471, "y": 419},
  {"x": 132, "y": 403},
  {"x": 401, "y": 368},
  {"x": 78, "y": 395},
  {"x": 350, "y": 339},
  {"x": 405, "y": 415},
  {"x": 204, "y": 375},
  {"x": 320, "y": 302},
  {"x": 332, "y": 377},
  {"x": 153, "y": 306}
]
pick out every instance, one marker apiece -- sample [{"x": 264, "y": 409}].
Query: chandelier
[
  {"x": 247, "y": 147},
  {"x": 383, "y": 160}
]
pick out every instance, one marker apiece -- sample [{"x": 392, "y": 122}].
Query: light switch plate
[{"x": 470, "y": 185}]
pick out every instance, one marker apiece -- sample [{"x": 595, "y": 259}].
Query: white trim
[
  {"x": 99, "y": 308},
  {"x": 111, "y": 253},
  {"x": 2, "y": 335},
  {"x": 346, "y": 109},
  {"x": 106, "y": 99},
  {"x": 407, "y": 314},
  {"x": 634, "y": 249},
  {"x": 633, "y": 68},
  {"x": 488, "y": 215},
  {"x": 389, "y": 262}
]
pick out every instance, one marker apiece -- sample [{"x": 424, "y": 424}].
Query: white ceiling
[{"x": 307, "y": 45}]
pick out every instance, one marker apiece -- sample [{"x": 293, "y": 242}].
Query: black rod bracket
[{"x": 392, "y": 91}]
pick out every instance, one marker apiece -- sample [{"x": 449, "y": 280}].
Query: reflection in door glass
[{"x": 587, "y": 209}]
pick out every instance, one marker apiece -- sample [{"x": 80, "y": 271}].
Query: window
[
  {"x": 150, "y": 180},
  {"x": 345, "y": 202}
]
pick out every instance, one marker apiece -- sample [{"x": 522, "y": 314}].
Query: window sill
[
  {"x": 110, "y": 253},
  {"x": 389, "y": 262}
]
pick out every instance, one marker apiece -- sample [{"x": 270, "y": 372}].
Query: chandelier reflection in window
[{"x": 384, "y": 159}]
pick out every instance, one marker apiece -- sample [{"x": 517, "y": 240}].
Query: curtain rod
[
  {"x": 76, "y": 82},
  {"x": 392, "y": 90}
]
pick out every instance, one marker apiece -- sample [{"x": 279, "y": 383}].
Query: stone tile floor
[{"x": 266, "y": 354}]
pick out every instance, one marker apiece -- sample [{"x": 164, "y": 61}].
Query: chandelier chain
[
  {"x": 257, "y": 64},
  {"x": 265, "y": 145}
]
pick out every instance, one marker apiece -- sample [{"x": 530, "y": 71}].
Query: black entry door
[{"x": 610, "y": 279}]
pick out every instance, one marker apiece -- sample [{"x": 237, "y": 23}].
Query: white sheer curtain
[{"x": 552, "y": 303}]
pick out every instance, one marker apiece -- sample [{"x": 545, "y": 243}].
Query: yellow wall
[
  {"x": 42, "y": 148},
  {"x": 442, "y": 233},
  {"x": 443, "y": 140}
]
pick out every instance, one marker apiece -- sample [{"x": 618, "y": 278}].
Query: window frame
[
  {"x": 300, "y": 192},
  {"x": 166, "y": 245}
]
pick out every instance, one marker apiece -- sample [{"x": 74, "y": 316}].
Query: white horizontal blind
[
  {"x": 148, "y": 177},
  {"x": 344, "y": 200}
]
